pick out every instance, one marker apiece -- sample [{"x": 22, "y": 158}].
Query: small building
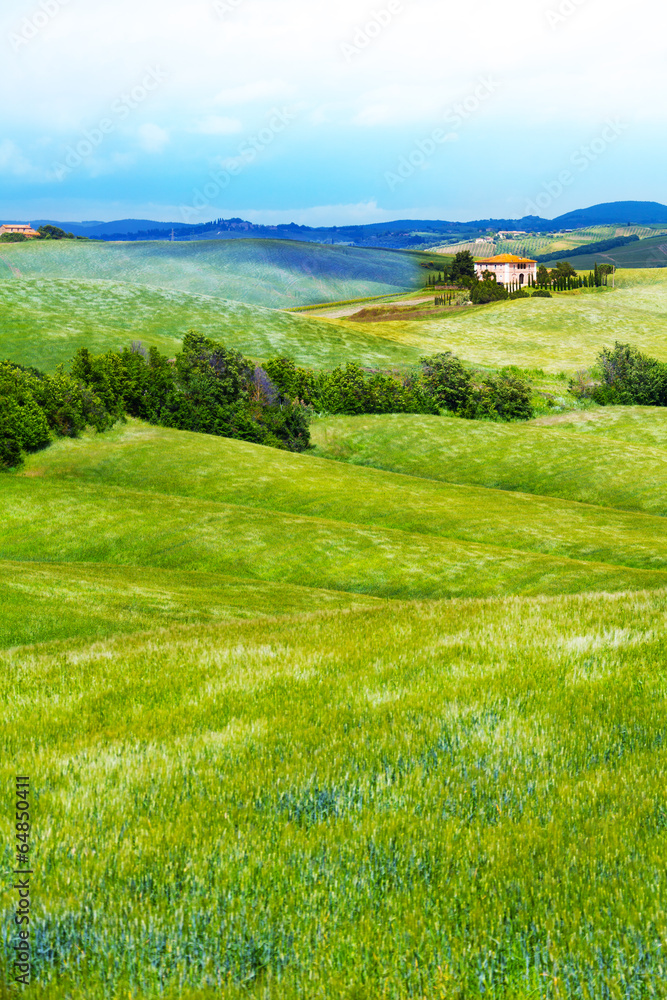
[
  {"x": 16, "y": 227},
  {"x": 508, "y": 269}
]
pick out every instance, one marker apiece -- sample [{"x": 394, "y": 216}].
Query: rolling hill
[
  {"x": 273, "y": 273},
  {"x": 564, "y": 333},
  {"x": 341, "y": 793},
  {"x": 44, "y": 321},
  {"x": 646, "y": 253}
]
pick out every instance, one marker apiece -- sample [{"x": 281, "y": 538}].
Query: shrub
[
  {"x": 628, "y": 377},
  {"x": 542, "y": 293},
  {"x": 506, "y": 396},
  {"x": 487, "y": 291},
  {"x": 447, "y": 381},
  {"x": 520, "y": 293},
  {"x": 35, "y": 407}
]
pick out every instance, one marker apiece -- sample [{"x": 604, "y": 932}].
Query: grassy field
[
  {"x": 544, "y": 460},
  {"x": 457, "y": 800},
  {"x": 559, "y": 334},
  {"x": 274, "y": 273},
  {"x": 385, "y": 720},
  {"x": 44, "y": 322},
  {"x": 53, "y": 601}
]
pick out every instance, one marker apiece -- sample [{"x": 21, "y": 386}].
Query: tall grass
[
  {"x": 274, "y": 273},
  {"x": 545, "y": 460},
  {"x": 434, "y": 801},
  {"x": 43, "y": 322},
  {"x": 179, "y": 496}
]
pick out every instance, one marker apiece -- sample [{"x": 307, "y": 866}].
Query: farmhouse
[
  {"x": 24, "y": 229},
  {"x": 508, "y": 269}
]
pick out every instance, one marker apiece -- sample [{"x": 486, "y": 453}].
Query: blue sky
[{"x": 294, "y": 110}]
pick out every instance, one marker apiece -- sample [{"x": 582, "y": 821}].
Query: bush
[
  {"x": 350, "y": 389},
  {"x": 542, "y": 293},
  {"x": 487, "y": 291},
  {"x": 627, "y": 377},
  {"x": 207, "y": 388},
  {"x": 13, "y": 238},
  {"x": 520, "y": 293},
  {"x": 35, "y": 407},
  {"x": 477, "y": 397}
]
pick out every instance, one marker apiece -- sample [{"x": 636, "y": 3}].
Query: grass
[
  {"x": 564, "y": 333},
  {"x": 234, "y": 486},
  {"x": 273, "y": 273},
  {"x": 458, "y": 800},
  {"x": 588, "y": 469},
  {"x": 44, "y": 322},
  {"x": 382, "y": 721},
  {"x": 639, "y": 425},
  {"x": 42, "y": 602}
]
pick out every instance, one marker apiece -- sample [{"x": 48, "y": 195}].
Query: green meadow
[
  {"x": 564, "y": 333},
  {"x": 273, "y": 273},
  {"x": 43, "y": 322},
  {"x": 382, "y": 720}
]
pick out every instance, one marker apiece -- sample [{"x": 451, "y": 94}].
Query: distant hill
[
  {"x": 634, "y": 213},
  {"x": 275, "y": 273},
  {"x": 638, "y": 254},
  {"x": 399, "y": 234}
]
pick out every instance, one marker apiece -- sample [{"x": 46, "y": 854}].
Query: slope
[
  {"x": 254, "y": 484},
  {"x": 583, "y": 468},
  {"x": 646, "y": 253},
  {"x": 563, "y": 333},
  {"x": 414, "y": 801},
  {"x": 274, "y": 273},
  {"x": 51, "y": 601},
  {"x": 44, "y": 322}
]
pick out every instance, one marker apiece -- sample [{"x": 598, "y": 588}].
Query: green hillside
[
  {"x": 564, "y": 333},
  {"x": 44, "y": 322},
  {"x": 640, "y": 425},
  {"x": 587, "y": 469},
  {"x": 382, "y": 720},
  {"x": 434, "y": 801},
  {"x": 274, "y": 273},
  {"x": 54, "y": 601},
  {"x": 244, "y": 495},
  {"x": 644, "y": 254}
]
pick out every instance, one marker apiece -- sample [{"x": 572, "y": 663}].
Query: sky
[{"x": 328, "y": 114}]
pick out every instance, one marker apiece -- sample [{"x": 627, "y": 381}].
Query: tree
[
  {"x": 463, "y": 267},
  {"x": 487, "y": 291},
  {"x": 563, "y": 269},
  {"x": 54, "y": 233},
  {"x": 542, "y": 276}
]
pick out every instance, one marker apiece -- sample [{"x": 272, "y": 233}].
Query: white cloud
[
  {"x": 259, "y": 90},
  {"x": 152, "y": 138},
  {"x": 217, "y": 125},
  {"x": 13, "y": 161}
]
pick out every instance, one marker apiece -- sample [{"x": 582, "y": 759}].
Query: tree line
[{"x": 212, "y": 389}]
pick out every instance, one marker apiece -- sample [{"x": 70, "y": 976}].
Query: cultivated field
[{"x": 384, "y": 720}]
